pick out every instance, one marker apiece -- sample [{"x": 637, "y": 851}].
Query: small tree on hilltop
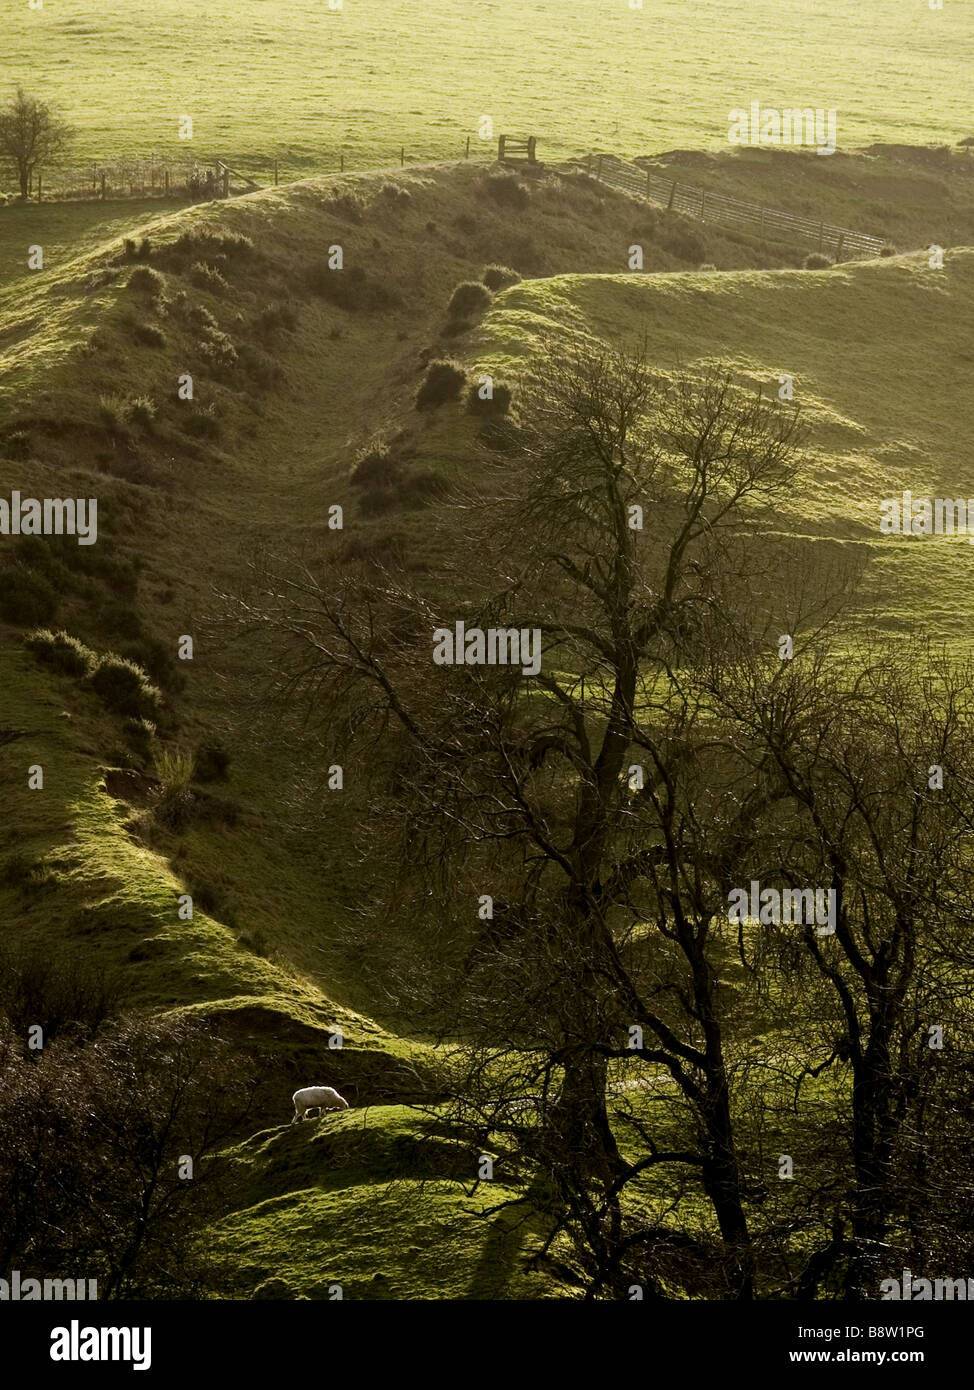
[{"x": 31, "y": 134}]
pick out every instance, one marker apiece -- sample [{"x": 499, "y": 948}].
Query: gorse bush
[
  {"x": 146, "y": 281},
  {"x": 469, "y": 298},
  {"x": 350, "y": 288},
  {"x": 124, "y": 688},
  {"x": 204, "y": 243},
  {"x": 500, "y": 277},
  {"x": 375, "y": 467},
  {"x": 443, "y": 382},
  {"x": 147, "y": 333},
  {"x": 817, "y": 261},
  {"x": 206, "y": 277},
  {"x": 498, "y": 402},
  {"x": 26, "y": 597},
  {"x": 218, "y": 351},
  {"x": 136, "y": 248},
  {"x": 62, "y": 652},
  {"x": 142, "y": 411}
]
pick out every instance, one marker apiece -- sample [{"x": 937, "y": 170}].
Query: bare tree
[
  {"x": 31, "y": 135},
  {"x": 616, "y": 534}
]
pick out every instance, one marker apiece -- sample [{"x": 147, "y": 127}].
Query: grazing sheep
[{"x": 316, "y": 1098}]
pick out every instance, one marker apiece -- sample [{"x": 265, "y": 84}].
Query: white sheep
[{"x": 316, "y": 1098}]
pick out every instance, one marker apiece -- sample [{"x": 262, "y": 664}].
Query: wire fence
[{"x": 840, "y": 243}]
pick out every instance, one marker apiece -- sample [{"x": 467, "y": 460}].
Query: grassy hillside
[
  {"x": 294, "y": 372},
  {"x": 264, "y": 79}
]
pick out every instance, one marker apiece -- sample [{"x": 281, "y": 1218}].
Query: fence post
[
  {"x": 402, "y": 156},
  {"x": 838, "y": 249},
  {"x": 703, "y": 201},
  {"x": 341, "y": 163},
  {"x": 275, "y": 173},
  {"x": 40, "y": 186},
  {"x": 226, "y": 183},
  {"x": 501, "y": 141},
  {"x": 467, "y": 155},
  {"x": 103, "y": 185},
  {"x": 532, "y": 146},
  {"x": 598, "y": 172},
  {"x": 669, "y": 205}
]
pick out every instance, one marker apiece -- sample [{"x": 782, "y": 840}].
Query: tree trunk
[{"x": 23, "y": 171}]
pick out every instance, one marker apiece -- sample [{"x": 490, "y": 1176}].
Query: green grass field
[{"x": 300, "y": 82}]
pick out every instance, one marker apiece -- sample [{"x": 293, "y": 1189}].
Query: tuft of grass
[
  {"x": 62, "y": 652},
  {"x": 817, "y": 260},
  {"x": 174, "y": 769}
]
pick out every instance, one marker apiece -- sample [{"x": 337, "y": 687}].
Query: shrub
[
  {"x": 887, "y": 250},
  {"x": 140, "y": 733},
  {"x": 174, "y": 796},
  {"x": 375, "y": 467},
  {"x": 499, "y": 403},
  {"x": 469, "y": 298},
  {"x": 203, "y": 423},
  {"x": 444, "y": 380},
  {"x": 206, "y": 277},
  {"x": 115, "y": 411},
  {"x": 395, "y": 193},
  {"x": 507, "y": 191},
  {"x": 136, "y": 248},
  {"x": 817, "y": 261},
  {"x": 145, "y": 280},
  {"x": 147, "y": 333},
  {"x": 26, "y": 598},
  {"x": 205, "y": 243},
  {"x": 212, "y": 762},
  {"x": 218, "y": 351},
  {"x": 499, "y": 277},
  {"x": 258, "y": 366},
  {"x": 62, "y": 652},
  {"x": 142, "y": 411},
  {"x": 275, "y": 317},
  {"x": 124, "y": 688},
  {"x": 347, "y": 204}
]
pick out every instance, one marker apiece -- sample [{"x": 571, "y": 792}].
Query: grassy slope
[
  {"x": 192, "y": 513},
  {"x": 266, "y": 79},
  {"x": 875, "y": 350}
]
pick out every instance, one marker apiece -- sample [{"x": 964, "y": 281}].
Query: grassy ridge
[{"x": 310, "y": 1204}]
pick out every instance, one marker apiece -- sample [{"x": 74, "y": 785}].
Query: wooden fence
[{"x": 838, "y": 242}]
